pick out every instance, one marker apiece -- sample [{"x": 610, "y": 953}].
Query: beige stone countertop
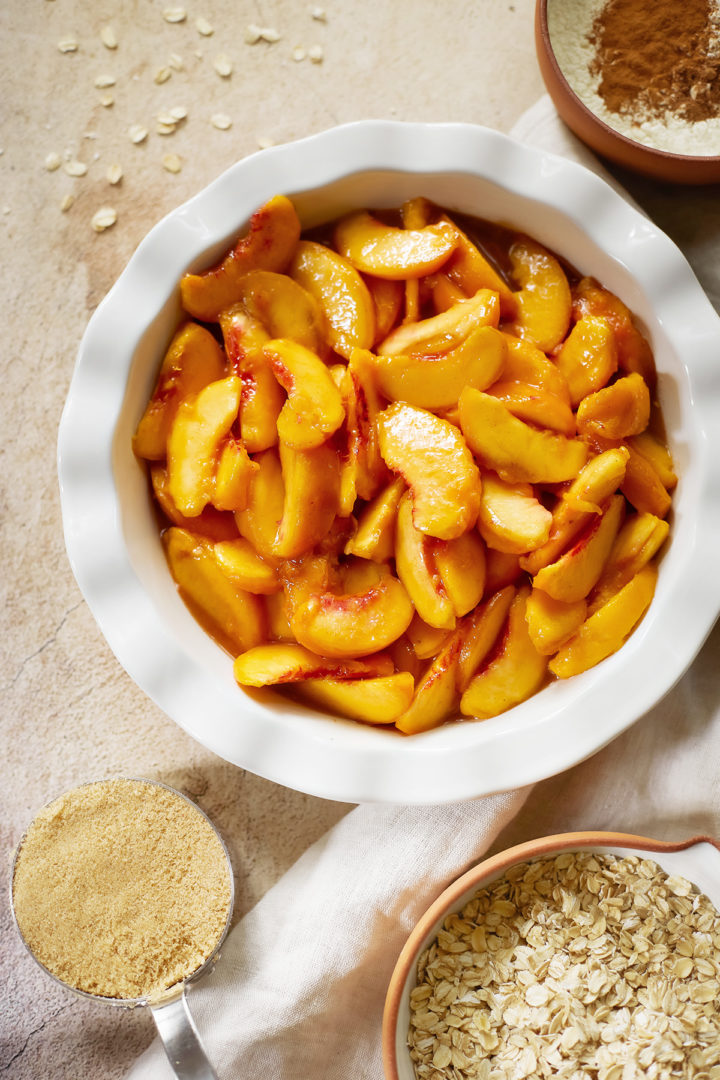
[{"x": 69, "y": 711}]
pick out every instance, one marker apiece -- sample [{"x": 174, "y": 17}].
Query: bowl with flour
[{"x": 637, "y": 81}]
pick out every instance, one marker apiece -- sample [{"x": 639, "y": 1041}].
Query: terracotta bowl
[
  {"x": 600, "y": 137},
  {"x": 697, "y": 859}
]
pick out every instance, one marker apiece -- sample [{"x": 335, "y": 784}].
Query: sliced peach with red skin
[
  {"x": 262, "y": 397},
  {"x": 426, "y": 640},
  {"x": 535, "y": 406},
  {"x": 435, "y": 694},
  {"x": 576, "y": 572},
  {"x": 544, "y": 300},
  {"x": 211, "y": 523},
  {"x": 341, "y": 293},
  {"x": 617, "y": 411},
  {"x": 311, "y": 479},
  {"x": 233, "y": 616},
  {"x": 658, "y": 455},
  {"x": 232, "y": 478},
  {"x": 639, "y": 540},
  {"x": 284, "y": 308},
  {"x": 552, "y": 622},
  {"x": 387, "y": 297},
  {"x": 511, "y": 518},
  {"x": 471, "y": 270},
  {"x": 260, "y": 520},
  {"x": 460, "y": 565},
  {"x": 416, "y": 569},
  {"x": 269, "y": 245},
  {"x": 200, "y": 426},
  {"x": 242, "y": 564},
  {"x": 633, "y": 350},
  {"x": 513, "y": 449},
  {"x": 353, "y": 624},
  {"x": 607, "y": 629},
  {"x": 582, "y": 501},
  {"x": 435, "y": 381},
  {"x": 434, "y": 460},
  {"x": 372, "y": 701},
  {"x": 277, "y": 663},
  {"x": 374, "y": 537},
  {"x": 514, "y": 671},
  {"x": 193, "y": 360},
  {"x": 442, "y": 332},
  {"x": 479, "y": 631},
  {"x": 391, "y": 252},
  {"x": 367, "y": 406},
  {"x": 314, "y": 409},
  {"x": 588, "y": 357}
]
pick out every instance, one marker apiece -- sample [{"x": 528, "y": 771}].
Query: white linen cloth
[{"x": 299, "y": 990}]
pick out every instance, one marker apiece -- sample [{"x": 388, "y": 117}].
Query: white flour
[{"x": 569, "y": 25}]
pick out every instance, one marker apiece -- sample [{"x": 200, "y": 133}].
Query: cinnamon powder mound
[
  {"x": 121, "y": 888},
  {"x": 655, "y": 57}
]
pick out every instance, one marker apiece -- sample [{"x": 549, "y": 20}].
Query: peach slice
[
  {"x": 650, "y": 447},
  {"x": 552, "y": 622},
  {"x": 234, "y": 617},
  {"x": 269, "y": 665},
  {"x": 312, "y": 488},
  {"x": 513, "y": 449},
  {"x": 579, "y": 504},
  {"x": 314, "y": 408},
  {"x": 269, "y": 245},
  {"x": 444, "y": 292},
  {"x": 460, "y": 565},
  {"x": 416, "y": 570},
  {"x": 260, "y": 520},
  {"x": 388, "y": 299},
  {"x": 367, "y": 406},
  {"x": 341, "y": 293},
  {"x": 242, "y": 564},
  {"x": 415, "y": 214},
  {"x": 404, "y": 658},
  {"x": 426, "y": 640},
  {"x": 588, "y": 357},
  {"x": 390, "y": 252},
  {"x": 375, "y": 535},
  {"x": 576, "y": 572},
  {"x": 470, "y": 270},
  {"x": 232, "y": 479},
  {"x": 262, "y": 398},
  {"x": 435, "y": 381},
  {"x": 643, "y": 487},
  {"x": 277, "y": 611},
  {"x": 544, "y": 300},
  {"x": 616, "y": 411},
  {"x": 514, "y": 671},
  {"x": 479, "y": 631},
  {"x": 433, "y": 459},
  {"x": 192, "y": 360},
  {"x": 211, "y": 523},
  {"x": 638, "y": 541},
  {"x": 284, "y": 308},
  {"x": 607, "y": 629},
  {"x": 353, "y": 624},
  {"x": 501, "y": 569},
  {"x": 442, "y": 332},
  {"x": 527, "y": 364},
  {"x": 511, "y": 518},
  {"x": 633, "y": 350},
  {"x": 535, "y": 406},
  {"x": 374, "y": 701},
  {"x": 435, "y": 694},
  {"x": 200, "y": 425}
]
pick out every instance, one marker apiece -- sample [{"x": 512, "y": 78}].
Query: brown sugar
[{"x": 121, "y": 888}]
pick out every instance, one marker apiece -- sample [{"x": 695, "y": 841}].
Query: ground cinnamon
[{"x": 655, "y": 57}]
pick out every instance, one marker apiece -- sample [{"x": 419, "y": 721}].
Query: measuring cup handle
[{"x": 181, "y": 1041}]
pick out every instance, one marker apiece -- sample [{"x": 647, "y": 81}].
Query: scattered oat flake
[
  {"x": 67, "y": 45},
  {"x": 253, "y": 34},
  {"x": 178, "y": 113},
  {"x": 53, "y": 161},
  {"x": 265, "y": 143},
  {"x": 176, "y": 62},
  {"x": 316, "y": 54},
  {"x": 107, "y": 100},
  {"x": 203, "y": 27},
  {"x": 172, "y": 163},
  {"x": 270, "y": 34},
  {"x": 165, "y": 129},
  {"x": 104, "y": 218},
  {"x": 75, "y": 168},
  {"x": 299, "y": 53},
  {"x": 137, "y": 133},
  {"x": 221, "y": 121},
  {"x": 109, "y": 37},
  {"x": 103, "y": 81},
  {"x": 223, "y": 65},
  {"x": 114, "y": 173},
  {"x": 319, "y": 14},
  {"x": 162, "y": 75},
  {"x": 174, "y": 15},
  {"x": 67, "y": 203}
]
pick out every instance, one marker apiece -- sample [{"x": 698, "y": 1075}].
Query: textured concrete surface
[{"x": 69, "y": 712}]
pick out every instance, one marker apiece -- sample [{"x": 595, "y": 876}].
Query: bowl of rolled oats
[{"x": 584, "y": 954}]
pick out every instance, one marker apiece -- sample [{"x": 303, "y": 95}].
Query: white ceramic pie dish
[{"x": 111, "y": 532}]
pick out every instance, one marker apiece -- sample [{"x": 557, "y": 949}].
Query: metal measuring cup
[{"x": 170, "y": 1010}]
